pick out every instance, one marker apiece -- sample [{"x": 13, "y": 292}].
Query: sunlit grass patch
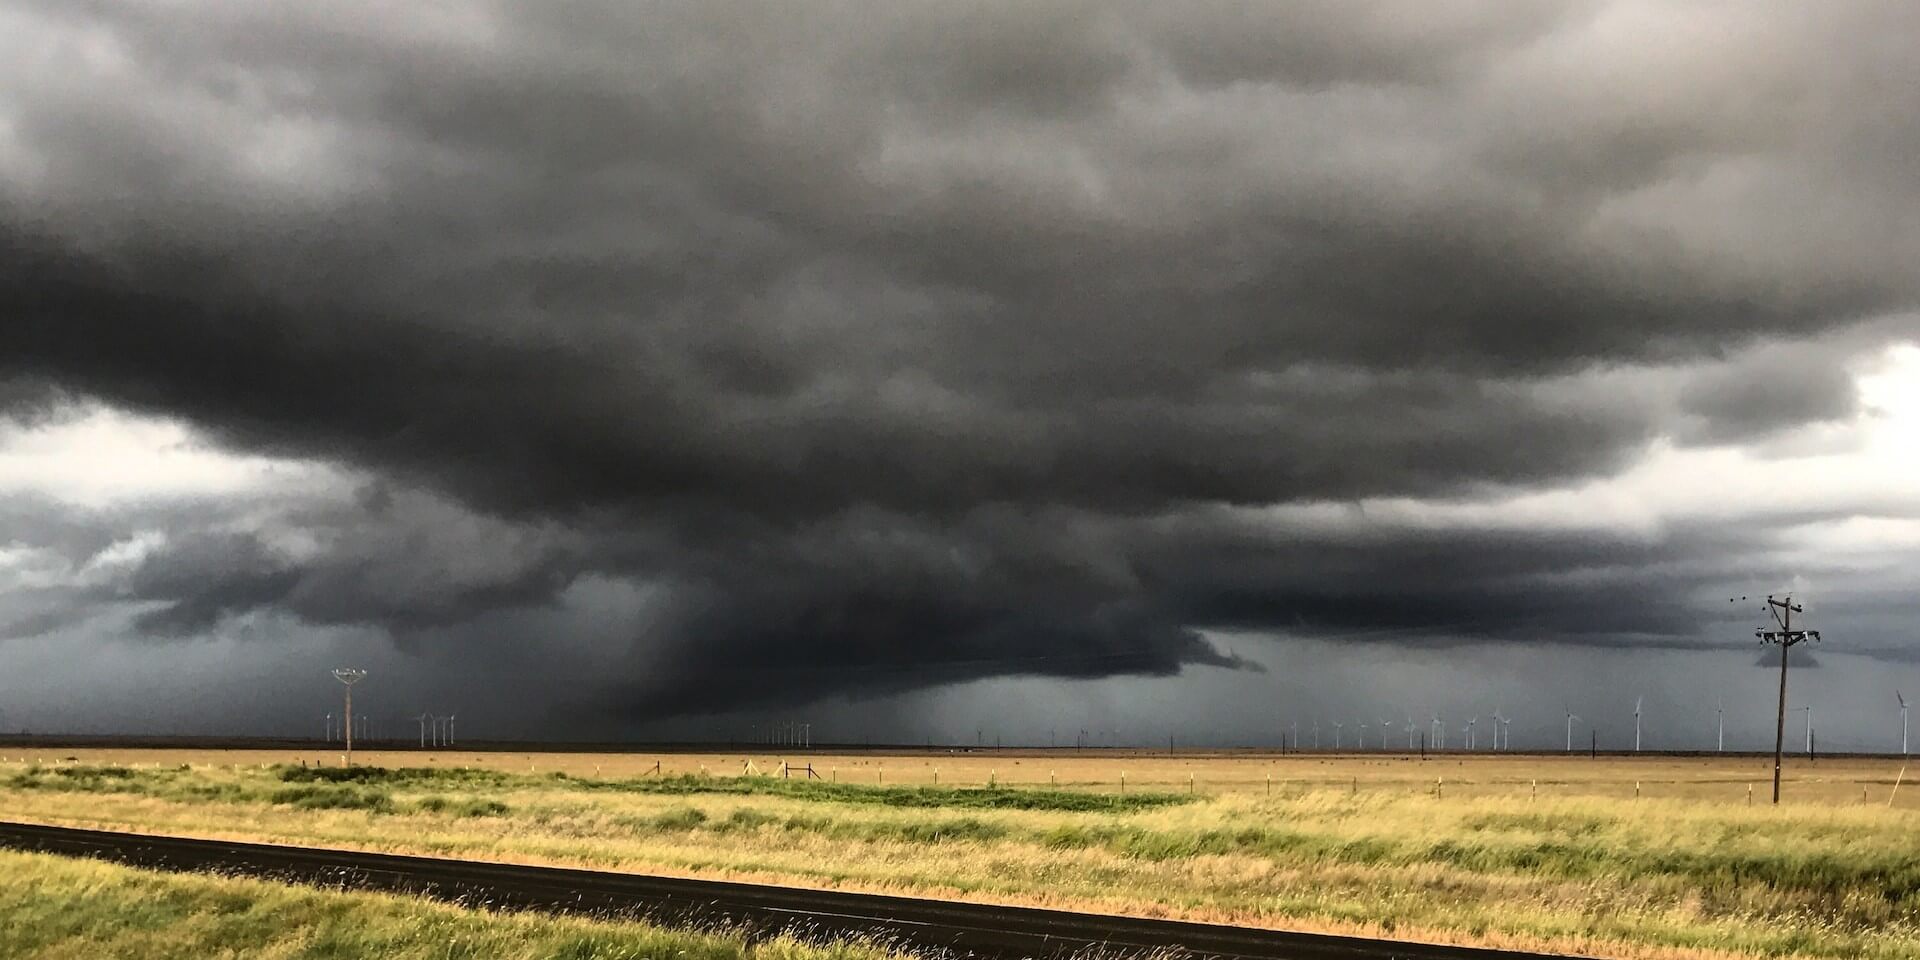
[
  {"x": 52, "y": 907},
  {"x": 1677, "y": 876}
]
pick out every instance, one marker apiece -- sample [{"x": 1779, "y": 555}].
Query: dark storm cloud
[
  {"x": 1797, "y": 658},
  {"x": 1744, "y": 400},
  {"x": 885, "y": 340}
]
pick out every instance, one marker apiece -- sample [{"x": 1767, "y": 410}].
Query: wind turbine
[
  {"x": 1439, "y": 732},
  {"x": 1336, "y": 733},
  {"x": 1496, "y": 728},
  {"x": 1296, "y": 734},
  {"x": 1316, "y": 733},
  {"x": 1506, "y": 732},
  {"x": 422, "y": 719},
  {"x": 1720, "y": 714},
  {"x": 1903, "y": 722},
  {"x": 1412, "y": 730},
  {"x": 1570, "y": 719},
  {"x": 1636, "y": 723},
  {"x": 1386, "y": 729},
  {"x": 1809, "y": 710},
  {"x": 1361, "y": 742},
  {"x": 1471, "y": 742}
]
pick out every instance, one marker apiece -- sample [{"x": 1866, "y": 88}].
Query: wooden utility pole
[
  {"x": 1782, "y": 611},
  {"x": 349, "y": 677}
]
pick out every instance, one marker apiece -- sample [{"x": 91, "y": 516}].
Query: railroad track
[{"x": 942, "y": 928}]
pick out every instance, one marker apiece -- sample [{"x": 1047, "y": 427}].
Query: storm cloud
[{"x": 893, "y": 346}]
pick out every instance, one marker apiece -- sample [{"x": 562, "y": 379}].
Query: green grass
[
  {"x": 463, "y": 806},
  {"x": 979, "y": 798},
  {"x": 1591, "y": 875},
  {"x": 52, "y": 907},
  {"x": 167, "y": 783},
  {"x": 333, "y": 797},
  {"x": 396, "y": 776}
]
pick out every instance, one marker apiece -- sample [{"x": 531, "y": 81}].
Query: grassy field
[
  {"x": 1459, "y": 849},
  {"x": 51, "y": 907},
  {"x": 1710, "y": 778}
]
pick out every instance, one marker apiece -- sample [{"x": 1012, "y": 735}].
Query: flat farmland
[
  {"x": 1723, "y": 778},
  {"x": 1652, "y": 856}
]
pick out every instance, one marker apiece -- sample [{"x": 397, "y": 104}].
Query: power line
[
  {"x": 1782, "y": 611},
  {"x": 349, "y": 676}
]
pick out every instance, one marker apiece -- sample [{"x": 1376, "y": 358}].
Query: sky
[{"x": 965, "y": 372}]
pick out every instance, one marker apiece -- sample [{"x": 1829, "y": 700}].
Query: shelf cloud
[{"x": 878, "y": 348}]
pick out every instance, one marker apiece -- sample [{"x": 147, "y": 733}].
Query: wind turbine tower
[
  {"x": 1636, "y": 723},
  {"x": 1336, "y": 733},
  {"x": 1471, "y": 741},
  {"x": 1903, "y": 721},
  {"x": 1570, "y": 719},
  {"x": 1720, "y": 716}
]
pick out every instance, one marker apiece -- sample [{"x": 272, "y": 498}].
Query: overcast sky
[{"x": 957, "y": 370}]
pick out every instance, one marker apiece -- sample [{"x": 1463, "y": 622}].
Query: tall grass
[
  {"x": 52, "y": 907},
  {"x": 1652, "y": 878}
]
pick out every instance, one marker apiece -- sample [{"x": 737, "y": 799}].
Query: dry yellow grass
[
  {"x": 1351, "y": 844},
  {"x": 1706, "y": 778},
  {"x": 53, "y": 908}
]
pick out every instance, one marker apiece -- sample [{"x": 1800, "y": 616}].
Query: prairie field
[
  {"x": 1656, "y": 857},
  {"x": 1723, "y": 778},
  {"x": 53, "y": 907}
]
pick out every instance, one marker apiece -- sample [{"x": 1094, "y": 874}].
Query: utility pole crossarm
[
  {"x": 1782, "y": 609},
  {"x": 348, "y": 676}
]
